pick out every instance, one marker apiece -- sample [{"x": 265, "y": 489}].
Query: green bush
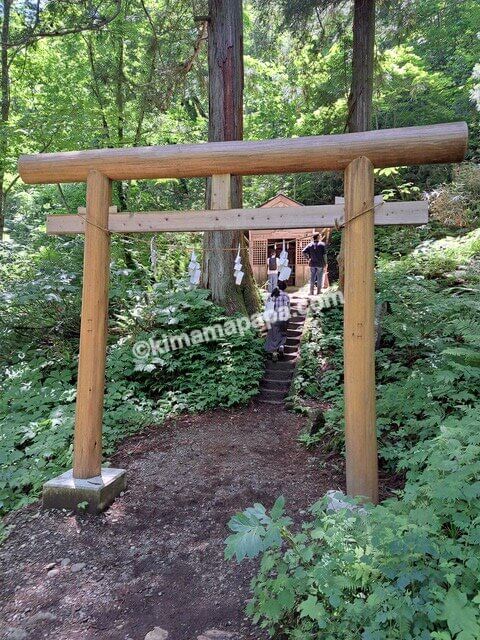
[
  {"x": 406, "y": 569},
  {"x": 221, "y": 372},
  {"x": 37, "y": 388},
  {"x": 429, "y": 352},
  {"x": 37, "y": 404}
]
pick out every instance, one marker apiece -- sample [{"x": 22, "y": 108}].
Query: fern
[{"x": 429, "y": 365}]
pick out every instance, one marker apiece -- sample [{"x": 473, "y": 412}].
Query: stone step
[
  {"x": 274, "y": 393},
  {"x": 280, "y": 369},
  {"x": 295, "y": 327},
  {"x": 297, "y": 315},
  {"x": 281, "y": 365},
  {"x": 277, "y": 377},
  {"x": 270, "y": 401},
  {"x": 298, "y": 312},
  {"x": 298, "y": 301},
  {"x": 291, "y": 339},
  {"x": 289, "y": 354},
  {"x": 294, "y": 331},
  {"x": 275, "y": 385},
  {"x": 296, "y": 321}
]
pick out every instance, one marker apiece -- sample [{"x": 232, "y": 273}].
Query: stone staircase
[{"x": 278, "y": 376}]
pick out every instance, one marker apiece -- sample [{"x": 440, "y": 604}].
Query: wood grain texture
[
  {"x": 111, "y": 209},
  {"x": 87, "y": 455},
  {"x": 388, "y": 213},
  {"x": 221, "y": 193},
  {"x": 359, "y": 333},
  {"x": 225, "y": 123},
  {"x": 385, "y": 148},
  {"x": 363, "y": 50}
]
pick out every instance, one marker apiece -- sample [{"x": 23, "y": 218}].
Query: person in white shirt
[
  {"x": 272, "y": 271},
  {"x": 277, "y": 333}
]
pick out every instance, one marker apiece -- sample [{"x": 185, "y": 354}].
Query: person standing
[
  {"x": 277, "y": 333},
  {"x": 316, "y": 253},
  {"x": 272, "y": 271}
]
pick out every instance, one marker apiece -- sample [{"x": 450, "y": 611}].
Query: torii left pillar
[{"x": 87, "y": 484}]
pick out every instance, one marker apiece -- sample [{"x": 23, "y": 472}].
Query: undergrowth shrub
[
  {"x": 222, "y": 371},
  {"x": 37, "y": 406},
  {"x": 408, "y": 568},
  {"x": 457, "y": 202},
  {"x": 37, "y": 384},
  {"x": 403, "y": 570},
  {"x": 428, "y": 366}
]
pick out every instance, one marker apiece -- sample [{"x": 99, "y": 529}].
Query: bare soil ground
[{"x": 155, "y": 558}]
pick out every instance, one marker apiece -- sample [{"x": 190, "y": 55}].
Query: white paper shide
[
  {"x": 238, "y": 268},
  {"x": 194, "y": 269},
  {"x": 284, "y": 270}
]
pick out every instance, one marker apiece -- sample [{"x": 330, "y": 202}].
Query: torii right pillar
[{"x": 359, "y": 332}]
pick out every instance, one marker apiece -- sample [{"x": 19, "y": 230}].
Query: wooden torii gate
[{"x": 356, "y": 154}]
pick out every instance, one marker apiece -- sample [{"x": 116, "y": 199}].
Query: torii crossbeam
[
  {"x": 386, "y": 213},
  {"x": 356, "y": 154}
]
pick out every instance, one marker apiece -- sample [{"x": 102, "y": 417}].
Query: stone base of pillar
[{"x": 90, "y": 495}]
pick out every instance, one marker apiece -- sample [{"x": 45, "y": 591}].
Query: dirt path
[{"x": 155, "y": 559}]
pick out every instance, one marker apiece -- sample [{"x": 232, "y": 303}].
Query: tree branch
[
  {"x": 32, "y": 35},
  {"x": 96, "y": 88}
]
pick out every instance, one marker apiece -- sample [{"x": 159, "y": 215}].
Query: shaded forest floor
[{"x": 155, "y": 558}]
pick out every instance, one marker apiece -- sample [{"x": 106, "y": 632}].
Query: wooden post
[
  {"x": 436, "y": 143},
  {"x": 221, "y": 191},
  {"x": 93, "y": 333},
  {"x": 309, "y": 216},
  {"x": 225, "y": 123},
  {"x": 359, "y": 332}
]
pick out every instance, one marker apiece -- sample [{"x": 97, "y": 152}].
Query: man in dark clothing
[
  {"x": 316, "y": 253},
  {"x": 272, "y": 271}
]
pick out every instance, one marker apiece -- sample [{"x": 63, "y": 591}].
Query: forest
[{"x": 225, "y": 528}]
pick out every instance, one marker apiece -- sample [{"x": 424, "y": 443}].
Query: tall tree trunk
[
  {"x": 361, "y": 88},
  {"x": 120, "y": 103},
  {"x": 361, "y": 92},
  {"x": 225, "y": 64},
  {"x": 5, "y": 108},
  {"x": 128, "y": 242}
]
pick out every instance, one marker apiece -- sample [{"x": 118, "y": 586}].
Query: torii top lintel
[{"x": 385, "y": 148}]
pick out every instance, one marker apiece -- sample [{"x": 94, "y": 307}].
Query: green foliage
[
  {"x": 37, "y": 386},
  {"x": 429, "y": 340},
  {"x": 37, "y": 398},
  {"x": 298, "y": 80},
  {"x": 408, "y": 568},
  {"x": 310, "y": 440},
  {"x": 140, "y": 79},
  {"x": 222, "y": 371},
  {"x": 458, "y": 202},
  {"x": 409, "y": 89},
  {"x": 255, "y": 530},
  {"x": 304, "y": 382},
  {"x": 395, "y": 242}
]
